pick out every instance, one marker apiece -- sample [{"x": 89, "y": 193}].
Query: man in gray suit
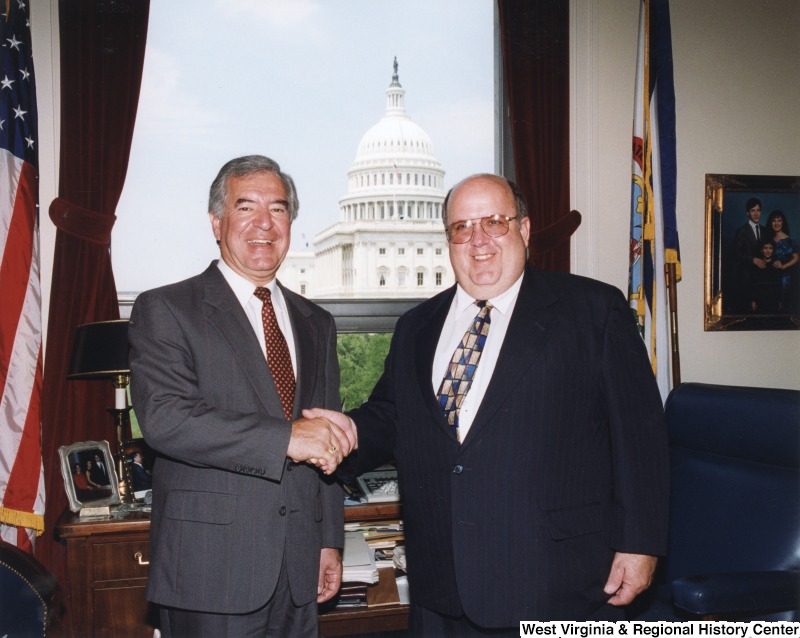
[{"x": 247, "y": 523}]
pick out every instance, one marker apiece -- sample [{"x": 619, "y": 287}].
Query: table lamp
[{"x": 100, "y": 351}]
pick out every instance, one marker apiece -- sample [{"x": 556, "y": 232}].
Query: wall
[
  {"x": 736, "y": 82},
  {"x": 737, "y": 93}
]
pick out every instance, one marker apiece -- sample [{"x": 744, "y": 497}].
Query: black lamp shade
[{"x": 100, "y": 350}]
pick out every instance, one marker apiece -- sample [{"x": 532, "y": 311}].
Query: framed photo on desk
[{"x": 90, "y": 479}]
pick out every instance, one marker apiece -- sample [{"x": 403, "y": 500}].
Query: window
[
  {"x": 179, "y": 112},
  {"x": 438, "y": 251},
  {"x": 382, "y": 281},
  {"x": 420, "y": 278},
  {"x": 438, "y": 276},
  {"x": 302, "y": 289},
  {"x": 420, "y": 251},
  {"x": 401, "y": 251},
  {"x": 365, "y": 329},
  {"x": 381, "y": 251}
]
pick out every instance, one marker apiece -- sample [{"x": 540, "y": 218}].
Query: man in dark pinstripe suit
[{"x": 550, "y": 502}]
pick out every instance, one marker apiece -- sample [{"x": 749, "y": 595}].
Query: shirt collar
[
  {"x": 501, "y": 302},
  {"x": 242, "y": 288}
]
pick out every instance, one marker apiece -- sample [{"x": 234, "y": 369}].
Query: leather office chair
[
  {"x": 30, "y": 596},
  {"x": 734, "y": 549}
]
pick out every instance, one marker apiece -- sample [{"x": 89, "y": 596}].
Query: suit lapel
[
  {"x": 531, "y": 327},
  {"x": 428, "y": 331},
  {"x": 224, "y": 312}
]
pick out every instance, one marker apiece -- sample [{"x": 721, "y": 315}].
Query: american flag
[{"x": 21, "y": 472}]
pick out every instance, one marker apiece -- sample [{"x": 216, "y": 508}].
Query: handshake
[{"x": 322, "y": 438}]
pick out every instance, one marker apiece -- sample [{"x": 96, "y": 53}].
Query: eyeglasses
[{"x": 493, "y": 225}]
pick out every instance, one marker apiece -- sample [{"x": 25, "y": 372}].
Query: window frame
[{"x": 350, "y": 315}]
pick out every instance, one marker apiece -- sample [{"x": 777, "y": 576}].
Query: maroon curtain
[
  {"x": 535, "y": 43},
  {"x": 102, "y": 53}
]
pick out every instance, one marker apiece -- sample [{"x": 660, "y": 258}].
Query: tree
[{"x": 361, "y": 358}]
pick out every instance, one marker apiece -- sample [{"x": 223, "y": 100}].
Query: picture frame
[
  {"x": 740, "y": 293},
  {"x": 92, "y": 491},
  {"x": 139, "y": 471}
]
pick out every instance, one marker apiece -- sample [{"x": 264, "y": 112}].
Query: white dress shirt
[
  {"x": 244, "y": 289},
  {"x": 462, "y": 312}
]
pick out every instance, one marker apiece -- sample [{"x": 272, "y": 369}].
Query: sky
[{"x": 300, "y": 81}]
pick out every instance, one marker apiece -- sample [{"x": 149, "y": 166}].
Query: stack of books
[{"x": 352, "y": 595}]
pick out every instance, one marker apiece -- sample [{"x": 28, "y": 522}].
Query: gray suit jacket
[{"x": 228, "y": 505}]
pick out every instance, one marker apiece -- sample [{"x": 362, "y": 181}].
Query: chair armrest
[{"x": 738, "y": 592}]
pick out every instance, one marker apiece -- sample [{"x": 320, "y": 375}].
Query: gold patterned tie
[
  {"x": 278, "y": 357},
  {"x": 461, "y": 368}
]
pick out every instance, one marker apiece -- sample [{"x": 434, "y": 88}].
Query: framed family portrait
[
  {"x": 752, "y": 252},
  {"x": 90, "y": 479},
  {"x": 139, "y": 460}
]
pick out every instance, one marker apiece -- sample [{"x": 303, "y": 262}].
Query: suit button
[
  {"x": 457, "y": 469},
  {"x": 282, "y": 510},
  {"x": 290, "y": 466}
]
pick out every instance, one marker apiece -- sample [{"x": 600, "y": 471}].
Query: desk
[{"x": 107, "y": 575}]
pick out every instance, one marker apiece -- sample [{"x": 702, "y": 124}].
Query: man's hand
[
  {"x": 630, "y": 575},
  {"x": 319, "y": 442},
  {"x": 344, "y": 422},
  {"x": 330, "y": 574},
  {"x": 760, "y": 263}
]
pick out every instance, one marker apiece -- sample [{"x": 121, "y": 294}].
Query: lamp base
[{"x": 122, "y": 423}]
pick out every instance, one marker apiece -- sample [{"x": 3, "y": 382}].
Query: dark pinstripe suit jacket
[
  {"x": 227, "y": 504},
  {"x": 565, "y": 463}
]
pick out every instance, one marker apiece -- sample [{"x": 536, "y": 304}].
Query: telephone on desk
[{"x": 380, "y": 486}]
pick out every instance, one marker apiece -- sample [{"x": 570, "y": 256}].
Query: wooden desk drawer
[{"x": 119, "y": 561}]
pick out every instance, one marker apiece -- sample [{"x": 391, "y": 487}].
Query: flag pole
[{"x": 673, "y": 321}]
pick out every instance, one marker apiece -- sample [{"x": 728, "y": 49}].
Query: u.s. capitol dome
[{"x": 389, "y": 240}]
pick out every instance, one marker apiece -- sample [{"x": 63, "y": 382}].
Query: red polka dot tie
[{"x": 278, "y": 357}]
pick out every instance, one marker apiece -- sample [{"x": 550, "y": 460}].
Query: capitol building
[{"x": 389, "y": 240}]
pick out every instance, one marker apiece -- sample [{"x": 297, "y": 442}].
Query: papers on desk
[
  {"x": 358, "y": 560},
  {"x": 383, "y": 539},
  {"x": 365, "y": 580}
]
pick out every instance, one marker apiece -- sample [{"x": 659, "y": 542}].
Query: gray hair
[
  {"x": 241, "y": 167},
  {"x": 520, "y": 205}
]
